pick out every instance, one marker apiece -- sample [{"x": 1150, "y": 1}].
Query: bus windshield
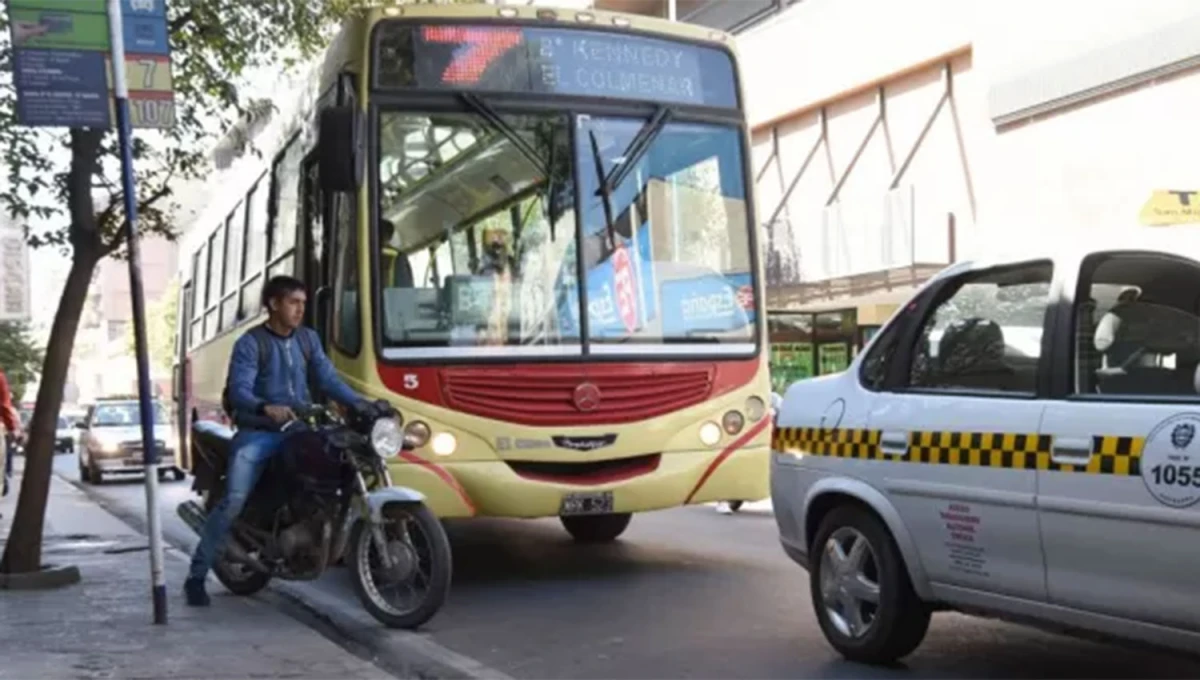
[
  {"x": 484, "y": 254},
  {"x": 484, "y": 231},
  {"x": 668, "y": 259}
]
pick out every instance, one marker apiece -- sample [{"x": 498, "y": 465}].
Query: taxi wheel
[
  {"x": 861, "y": 591},
  {"x": 596, "y": 528}
]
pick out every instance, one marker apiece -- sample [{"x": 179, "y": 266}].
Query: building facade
[
  {"x": 892, "y": 138},
  {"x": 102, "y": 364}
]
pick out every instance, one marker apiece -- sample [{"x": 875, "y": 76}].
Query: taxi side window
[
  {"x": 986, "y": 334},
  {"x": 1137, "y": 326},
  {"x": 879, "y": 356}
]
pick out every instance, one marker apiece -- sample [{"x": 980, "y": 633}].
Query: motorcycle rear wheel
[{"x": 437, "y": 546}]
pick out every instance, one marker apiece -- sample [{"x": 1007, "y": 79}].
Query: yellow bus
[{"x": 467, "y": 181}]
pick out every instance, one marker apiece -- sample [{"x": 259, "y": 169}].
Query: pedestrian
[{"x": 12, "y": 428}]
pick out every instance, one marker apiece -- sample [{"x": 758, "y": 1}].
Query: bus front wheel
[{"x": 596, "y": 528}]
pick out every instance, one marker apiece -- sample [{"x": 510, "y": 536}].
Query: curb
[
  {"x": 404, "y": 654},
  {"x": 49, "y": 578}
]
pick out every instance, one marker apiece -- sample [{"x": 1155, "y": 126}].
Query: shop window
[
  {"x": 1137, "y": 330},
  {"x": 791, "y": 348},
  {"x": 986, "y": 335}
]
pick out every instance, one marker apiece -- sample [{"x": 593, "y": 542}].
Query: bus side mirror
[{"x": 341, "y": 148}]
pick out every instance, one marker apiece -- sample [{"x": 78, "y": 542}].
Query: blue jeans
[{"x": 252, "y": 450}]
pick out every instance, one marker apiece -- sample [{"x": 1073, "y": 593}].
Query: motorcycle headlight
[{"x": 387, "y": 437}]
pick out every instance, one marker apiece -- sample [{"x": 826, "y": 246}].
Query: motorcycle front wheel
[{"x": 410, "y": 592}]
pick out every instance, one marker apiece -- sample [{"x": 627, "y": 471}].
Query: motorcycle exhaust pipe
[{"x": 193, "y": 515}]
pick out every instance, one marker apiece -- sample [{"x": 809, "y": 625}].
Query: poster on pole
[
  {"x": 14, "y": 275},
  {"x": 62, "y": 63}
]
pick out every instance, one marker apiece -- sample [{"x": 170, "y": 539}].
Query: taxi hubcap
[{"x": 849, "y": 582}]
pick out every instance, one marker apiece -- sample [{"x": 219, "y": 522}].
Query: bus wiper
[
  {"x": 638, "y": 147},
  {"x": 485, "y": 111},
  {"x": 604, "y": 192}
]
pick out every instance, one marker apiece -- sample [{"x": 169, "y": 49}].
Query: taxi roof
[{"x": 1179, "y": 240}]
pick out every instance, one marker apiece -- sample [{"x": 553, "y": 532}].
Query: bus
[{"x": 466, "y": 182}]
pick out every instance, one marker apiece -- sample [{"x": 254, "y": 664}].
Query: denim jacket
[{"x": 284, "y": 376}]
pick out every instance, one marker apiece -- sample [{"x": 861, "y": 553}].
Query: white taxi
[{"x": 1021, "y": 440}]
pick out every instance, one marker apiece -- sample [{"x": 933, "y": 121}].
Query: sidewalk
[{"x": 101, "y": 627}]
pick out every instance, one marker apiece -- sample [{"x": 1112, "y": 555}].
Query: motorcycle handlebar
[{"x": 366, "y": 410}]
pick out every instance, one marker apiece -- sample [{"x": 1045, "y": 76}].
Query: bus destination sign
[{"x": 565, "y": 61}]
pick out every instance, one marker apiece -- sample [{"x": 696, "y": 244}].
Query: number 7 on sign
[{"x": 149, "y": 66}]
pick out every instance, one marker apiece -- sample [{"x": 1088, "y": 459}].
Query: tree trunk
[{"x": 23, "y": 553}]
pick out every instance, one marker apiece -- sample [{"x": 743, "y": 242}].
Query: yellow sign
[
  {"x": 1171, "y": 208},
  {"x": 151, "y": 91}
]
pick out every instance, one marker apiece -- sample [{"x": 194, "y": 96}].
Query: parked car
[
  {"x": 64, "y": 435},
  {"x": 111, "y": 441},
  {"x": 1019, "y": 441}
]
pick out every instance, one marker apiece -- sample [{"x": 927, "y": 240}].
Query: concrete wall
[{"x": 1063, "y": 120}]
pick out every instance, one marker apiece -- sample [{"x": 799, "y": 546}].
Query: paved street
[{"x": 686, "y": 593}]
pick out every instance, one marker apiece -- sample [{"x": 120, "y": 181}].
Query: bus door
[{"x": 317, "y": 270}]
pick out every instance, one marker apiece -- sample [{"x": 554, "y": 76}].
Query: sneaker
[
  {"x": 193, "y": 589},
  {"x": 724, "y": 509}
]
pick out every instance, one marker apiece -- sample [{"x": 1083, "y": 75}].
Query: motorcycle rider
[{"x": 270, "y": 386}]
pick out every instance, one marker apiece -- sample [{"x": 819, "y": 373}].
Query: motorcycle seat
[
  {"x": 214, "y": 437},
  {"x": 211, "y": 444}
]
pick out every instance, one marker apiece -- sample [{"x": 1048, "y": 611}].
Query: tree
[
  {"x": 20, "y": 357},
  {"x": 70, "y": 180},
  {"x": 161, "y": 317}
]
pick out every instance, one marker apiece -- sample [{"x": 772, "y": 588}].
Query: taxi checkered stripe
[{"x": 1006, "y": 450}]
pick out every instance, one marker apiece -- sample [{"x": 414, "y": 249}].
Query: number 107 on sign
[{"x": 145, "y": 112}]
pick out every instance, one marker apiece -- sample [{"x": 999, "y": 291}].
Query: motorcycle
[{"x": 326, "y": 496}]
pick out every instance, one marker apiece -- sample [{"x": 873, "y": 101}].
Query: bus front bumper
[{"x": 496, "y": 489}]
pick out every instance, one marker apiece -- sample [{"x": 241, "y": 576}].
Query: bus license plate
[{"x": 593, "y": 503}]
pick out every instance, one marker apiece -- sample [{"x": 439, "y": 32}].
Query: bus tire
[{"x": 596, "y": 528}]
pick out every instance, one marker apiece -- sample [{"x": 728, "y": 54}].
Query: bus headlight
[
  {"x": 387, "y": 438},
  {"x": 710, "y": 434},
  {"x": 733, "y": 422},
  {"x": 755, "y": 409},
  {"x": 416, "y": 434},
  {"x": 444, "y": 444}
]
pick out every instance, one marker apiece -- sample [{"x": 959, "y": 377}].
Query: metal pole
[
  {"x": 150, "y": 450},
  {"x": 672, "y": 11}
]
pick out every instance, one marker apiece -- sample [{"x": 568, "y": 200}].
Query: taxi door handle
[
  {"x": 894, "y": 443},
  {"x": 1071, "y": 451}
]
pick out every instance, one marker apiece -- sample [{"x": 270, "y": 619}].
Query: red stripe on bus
[
  {"x": 442, "y": 474},
  {"x": 725, "y": 454}
]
